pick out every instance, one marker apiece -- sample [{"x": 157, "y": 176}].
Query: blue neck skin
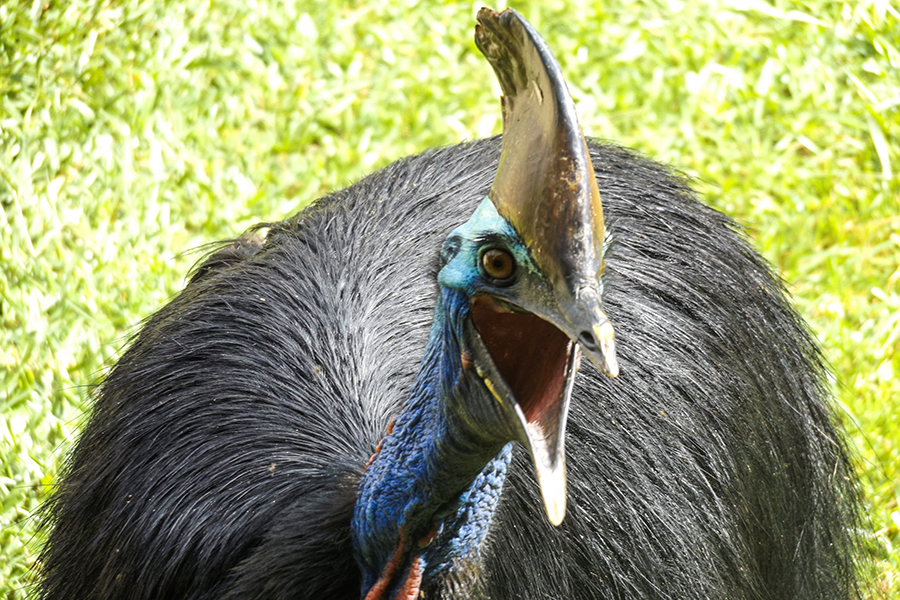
[{"x": 429, "y": 494}]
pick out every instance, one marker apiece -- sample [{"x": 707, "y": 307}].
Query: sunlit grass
[{"x": 131, "y": 132}]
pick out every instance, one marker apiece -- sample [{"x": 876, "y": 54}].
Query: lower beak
[{"x": 529, "y": 367}]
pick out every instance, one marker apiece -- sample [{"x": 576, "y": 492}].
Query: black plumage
[{"x": 225, "y": 447}]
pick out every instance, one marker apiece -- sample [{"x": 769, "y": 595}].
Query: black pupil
[{"x": 498, "y": 264}]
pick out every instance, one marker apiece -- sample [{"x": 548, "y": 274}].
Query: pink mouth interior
[{"x": 531, "y": 355}]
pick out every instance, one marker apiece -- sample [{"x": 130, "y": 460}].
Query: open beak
[
  {"x": 529, "y": 366},
  {"x": 546, "y": 189}
]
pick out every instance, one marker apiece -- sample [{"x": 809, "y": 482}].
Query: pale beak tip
[
  {"x": 607, "y": 342},
  {"x": 553, "y": 490},
  {"x": 612, "y": 365},
  {"x": 556, "y": 514}
]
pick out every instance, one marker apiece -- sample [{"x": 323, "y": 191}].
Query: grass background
[{"x": 134, "y": 131}]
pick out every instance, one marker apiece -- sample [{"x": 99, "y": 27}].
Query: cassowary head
[
  {"x": 519, "y": 301},
  {"x": 531, "y": 257}
]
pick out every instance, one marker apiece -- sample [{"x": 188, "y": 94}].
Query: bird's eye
[{"x": 498, "y": 264}]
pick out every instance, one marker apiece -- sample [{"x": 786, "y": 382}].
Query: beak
[
  {"x": 529, "y": 367},
  {"x": 546, "y": 190}
]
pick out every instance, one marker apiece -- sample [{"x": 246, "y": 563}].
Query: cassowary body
[
  {"x": 225, "y": 449},
  {"x": 225, "y": 454}
]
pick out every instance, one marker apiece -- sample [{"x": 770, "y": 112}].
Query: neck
[{"x": 429, "y": 493}]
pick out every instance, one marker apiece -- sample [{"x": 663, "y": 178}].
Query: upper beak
[
  {"x": 546, "y": 189},
  {"x": 545, "y": 185},
  {"x": 596, "y": 336}
]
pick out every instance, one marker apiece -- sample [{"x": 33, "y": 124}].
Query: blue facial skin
[{"x": 428, "y": 497}]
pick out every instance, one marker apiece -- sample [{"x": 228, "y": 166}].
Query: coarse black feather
[{"x": 223, "y": 452}]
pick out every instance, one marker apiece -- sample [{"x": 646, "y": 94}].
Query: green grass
[{"x": 132, "y": 132}]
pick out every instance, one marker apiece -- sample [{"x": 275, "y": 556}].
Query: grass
[{"x": 134, "y": 131}]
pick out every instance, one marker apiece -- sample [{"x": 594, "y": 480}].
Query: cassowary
[{"x": 355, "y": 404}]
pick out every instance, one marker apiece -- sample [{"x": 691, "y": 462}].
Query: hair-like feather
[{"x": 225, "y": 447}]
